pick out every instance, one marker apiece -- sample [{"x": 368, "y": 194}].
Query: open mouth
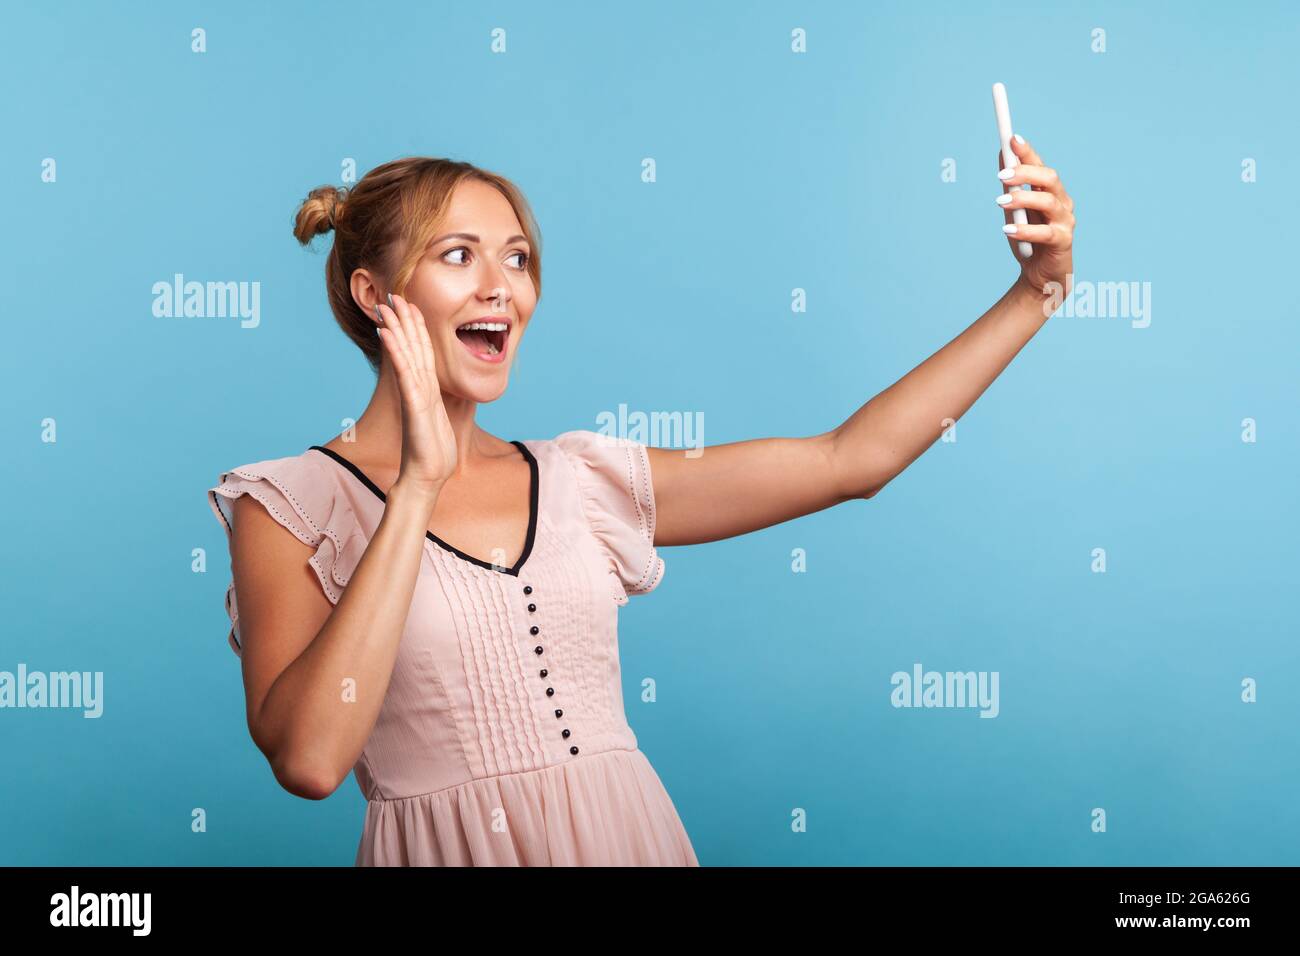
[{"x": 487, "y": 340}]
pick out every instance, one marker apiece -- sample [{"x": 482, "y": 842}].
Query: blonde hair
[{"x": 386, "y": 222}]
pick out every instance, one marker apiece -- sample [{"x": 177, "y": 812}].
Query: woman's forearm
[
  {"x": 891, "y": 431},
  {"x": 320, "y": 711}
]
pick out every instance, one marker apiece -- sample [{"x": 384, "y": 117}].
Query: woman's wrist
[
  {"x": 1029, "y": 299},
  {"x": 419, "y": 497}
]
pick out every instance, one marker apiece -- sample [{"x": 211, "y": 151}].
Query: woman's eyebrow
[{"x": 473, "y": 238}]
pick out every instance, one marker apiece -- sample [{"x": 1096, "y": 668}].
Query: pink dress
[{"x": 502, "y": 740}]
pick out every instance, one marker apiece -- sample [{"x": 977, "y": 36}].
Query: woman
[{"x": 453, "y": 641}]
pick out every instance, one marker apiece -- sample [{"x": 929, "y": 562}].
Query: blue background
[{"x": 776, "y": 171}]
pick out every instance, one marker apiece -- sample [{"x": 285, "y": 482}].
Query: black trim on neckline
[{"x": 532, "y": 509}]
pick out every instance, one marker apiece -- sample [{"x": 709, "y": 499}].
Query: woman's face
[{"x": 475, "y": 271}]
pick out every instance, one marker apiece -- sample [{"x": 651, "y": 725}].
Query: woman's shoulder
[
  {"x": 602, "y": 462},
  {"x": 303, "y": 475},
  {"x": 300, "y": 492},
  {"x": 580, "y": 442},
  {"x": 297, "y": 489},
  {"x": 613, "y": 478}
]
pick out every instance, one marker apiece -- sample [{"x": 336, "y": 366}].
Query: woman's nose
[{"x": 500, "y": 295}]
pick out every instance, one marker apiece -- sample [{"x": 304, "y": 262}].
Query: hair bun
[{"x": 319, "y": 213}]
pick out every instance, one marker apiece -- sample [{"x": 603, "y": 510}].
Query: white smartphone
[{"x": 1009, "y": 158}]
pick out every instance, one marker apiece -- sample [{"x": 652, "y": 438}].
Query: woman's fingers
[
  {"x": 417, "y": 334},
  {"x": 393, "y": 323},
  {"x": 401, "y": 308},
  {"x": 386, "y": 336},
  {"x": 406, "y": 336},
  {"x": 410, "y": 380},
  {"x": 419, "y": 348},
  {"x": 1036, "y": 177},
  {"x": 1042, "y": 177},
  {"x": 398, "y": 356},
  {"x": 1047, "y": 199},
  {"x": 422, "y": 328},
  {"x": 1025, "y": 152},
  {"x": 1042, "y": 234},
  {"x": 1026, "y": 155},
  {"x": 1047, "y": 204}
]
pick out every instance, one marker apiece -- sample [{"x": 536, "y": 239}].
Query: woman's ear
[{"x": 367, "y": 290}]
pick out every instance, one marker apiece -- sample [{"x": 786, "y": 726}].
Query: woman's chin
[{"x": 480, "y": 386}]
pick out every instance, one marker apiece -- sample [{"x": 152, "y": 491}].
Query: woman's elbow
[
  {"x": 306, "y": 780},
  {"x": 294, "y": 769}
]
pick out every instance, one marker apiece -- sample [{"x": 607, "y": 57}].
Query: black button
[
  {"x": 528, "y": 589},
  {"x": 573, "y": 750},
  {"x": 532, "y": 608},
  {"x": 550, "y": 692},
  {"x": 565, "y": 733},
  {"x": 558, "y": 712},
  {"x": 543, "y": 671},
  {"x": 538, "y": 648},
  {"x": 534, "y": 629}
]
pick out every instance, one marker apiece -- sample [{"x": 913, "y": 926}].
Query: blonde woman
[{"x": 440, "y": 618}]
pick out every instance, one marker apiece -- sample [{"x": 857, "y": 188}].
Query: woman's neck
[{"x": 377, "y": 434}]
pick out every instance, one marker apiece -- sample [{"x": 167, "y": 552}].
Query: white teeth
[
  {"x": 487, "y": 326},
  {"x": 492, "y": 349}
]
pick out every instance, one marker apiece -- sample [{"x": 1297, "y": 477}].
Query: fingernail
[
  {"x": 390, "y": 302},
  {"x": 1009, "y": 228},
  {"x": 1007, "y": 173},
  {"x": 1019, "y": 139},
  {"x": 1003, "y": 199},
  {"x": 379, "y": 315}
]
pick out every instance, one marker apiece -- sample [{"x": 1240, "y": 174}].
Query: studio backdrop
[{"x": 755, "y": 217}]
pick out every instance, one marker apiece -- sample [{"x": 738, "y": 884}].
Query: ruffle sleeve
[
  {"x": 618, "y": 498},
  {"x": 303, "y": 498}
]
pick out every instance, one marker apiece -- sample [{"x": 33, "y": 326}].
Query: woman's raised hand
[
  {"x": 428, "y": 443},
  {"x": 1051, "y": 220}
]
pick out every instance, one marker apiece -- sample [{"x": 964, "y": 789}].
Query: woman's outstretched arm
[{"x": 743, "y": 486}]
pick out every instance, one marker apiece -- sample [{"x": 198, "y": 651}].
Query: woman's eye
[{"x": 521, "y": 255}]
